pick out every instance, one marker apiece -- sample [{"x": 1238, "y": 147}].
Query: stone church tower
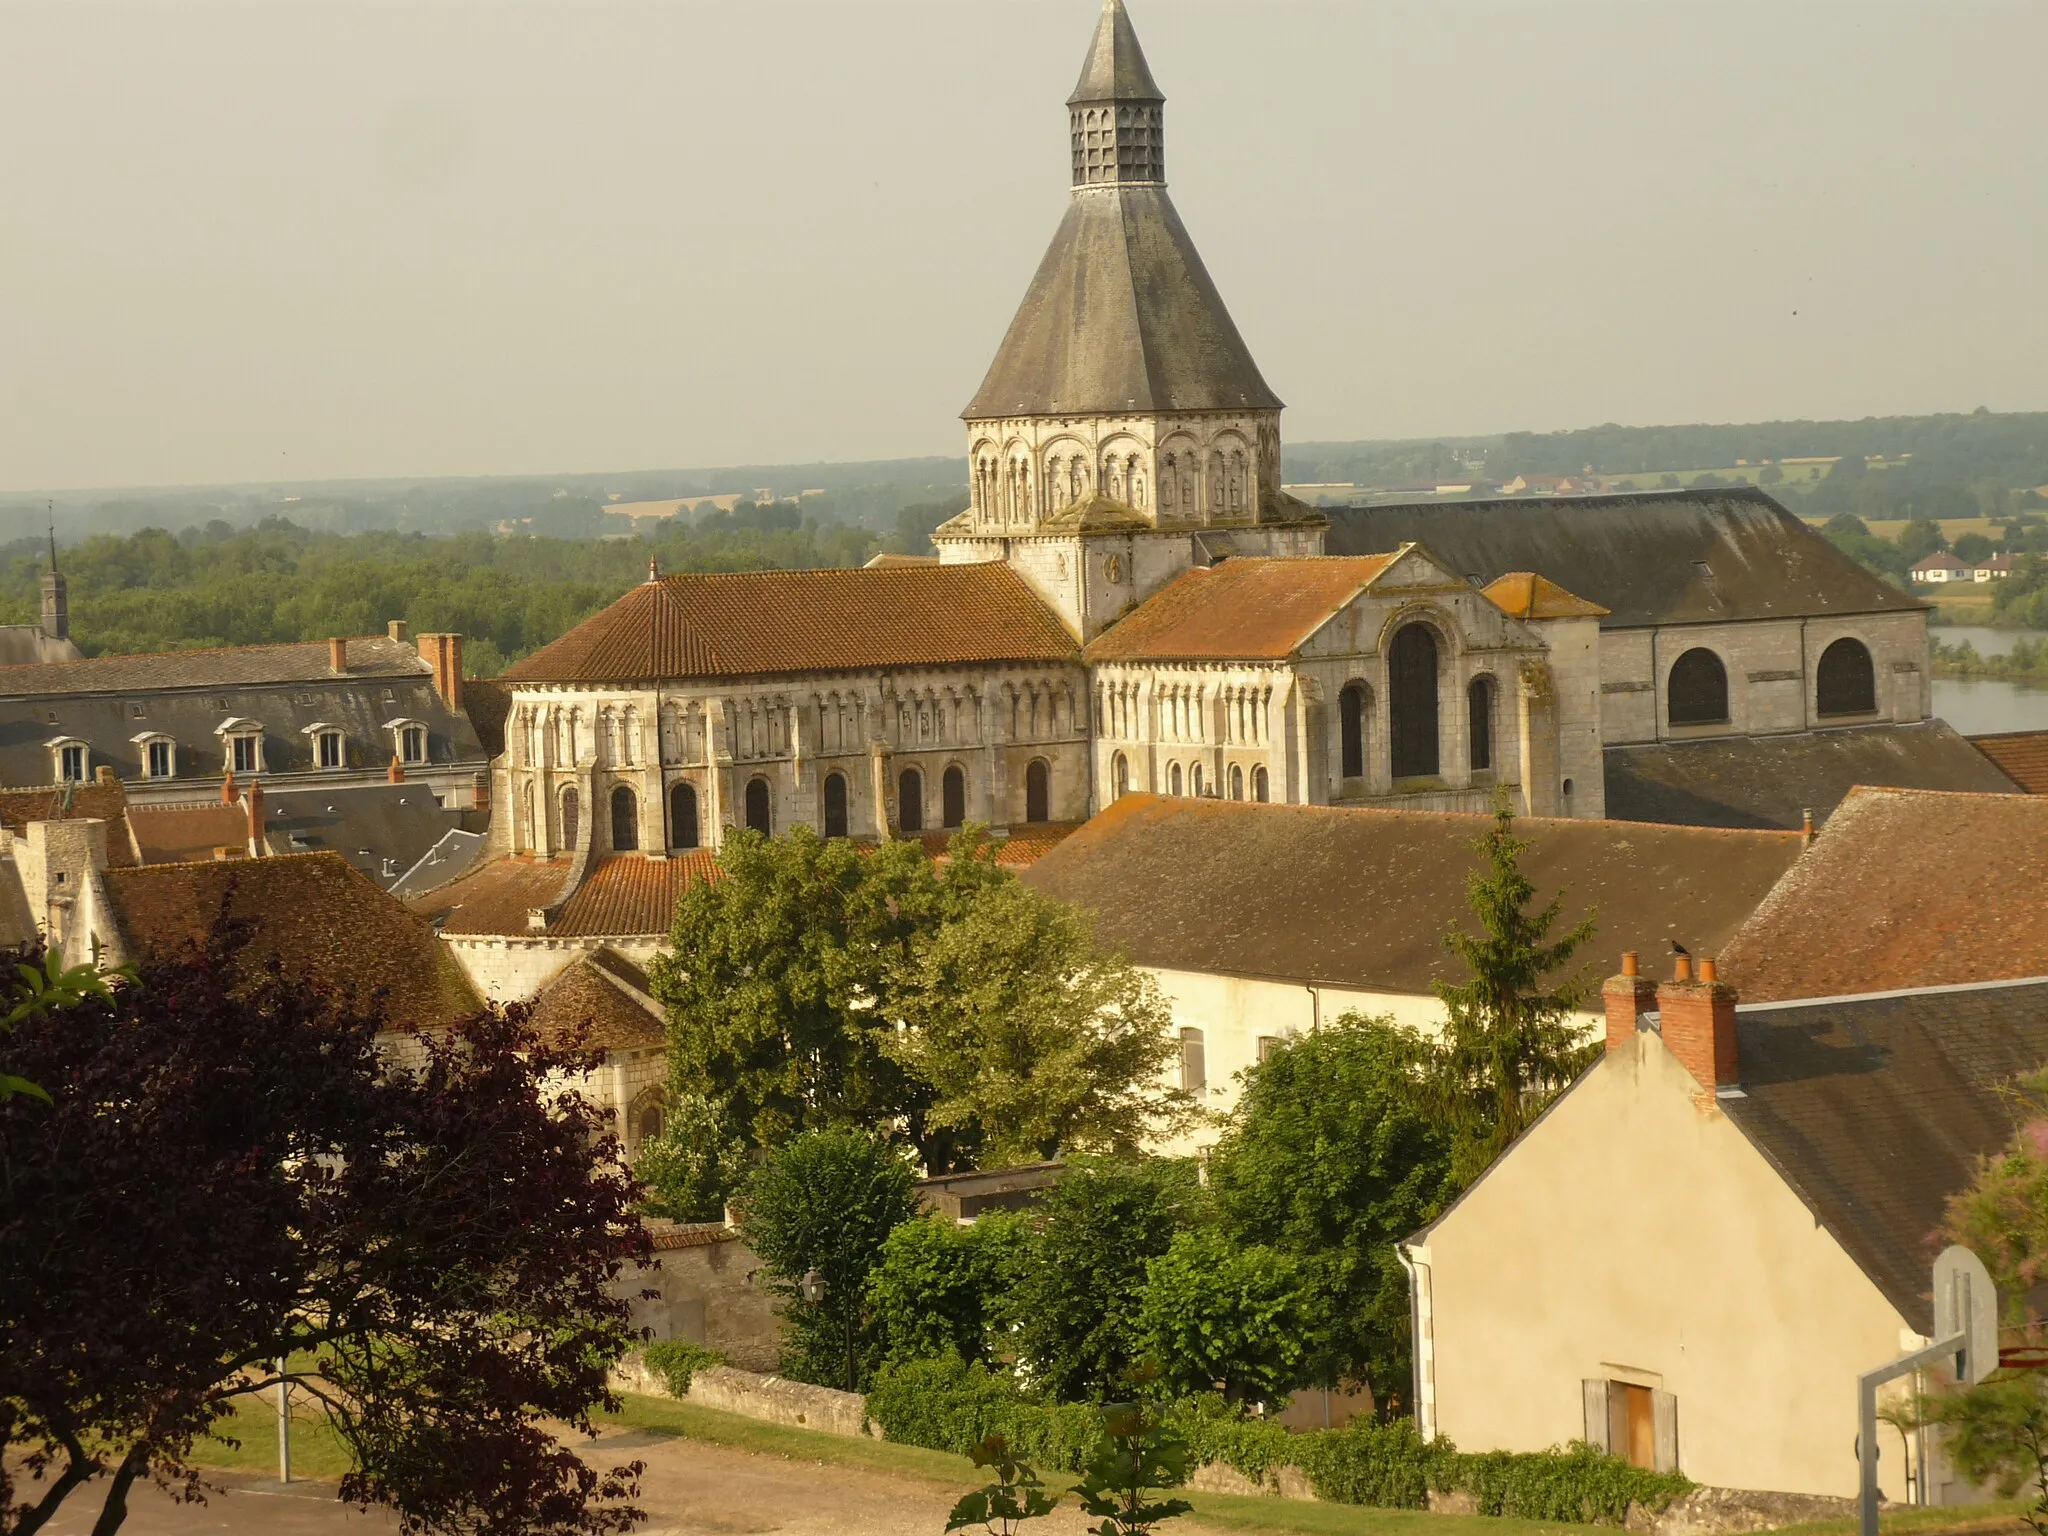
[{"x": 1123, "y": 433}]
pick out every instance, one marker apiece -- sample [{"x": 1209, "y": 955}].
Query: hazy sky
[{"x": 292, "y": 240}]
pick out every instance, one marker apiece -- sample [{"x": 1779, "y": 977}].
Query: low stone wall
[
  {"x": 773, "y": 1399},
  {"x": 1730, "y": 1511}
]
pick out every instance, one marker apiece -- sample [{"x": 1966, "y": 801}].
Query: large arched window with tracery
[
  {"x": 1697, "y": 693},
  {"x": 1412, "y": 702},
  {"x": 1845, "y": 683}
]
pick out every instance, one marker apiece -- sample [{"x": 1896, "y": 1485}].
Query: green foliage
[
  {"x": 2002, "y": 1215},
  {"x": 695, "y": 1165},
  {"x": 940, "y": 1285},
  {"x": 1018, "y": 1493},
  {"x": 1970, "y": 548},
  {"x": 1215, "y": 1431},
  {"x": 827, "y": 1202},
  {"x": 1331, "y": 1157},
  {"x": 1033, "y": 1041},
  {"x": 1139, "y": 1455},
  {"x": 1076, "y": 1327},
  {"x": 1509, "y": 1043},
  {"x": 1920, "y": 538},
  {"x": 1234, "y": 1317},
  {"x": 1997, "y": 1434},
  {"x": 1387, "y": 1466},
  {"x": 950, "y": 1404},
  {"x": 2028, "y": 658},
  {"x": 37, "y": 990},
  {"x": 1574, "y": 1482},
  {"x": 676, "y": 1361}
]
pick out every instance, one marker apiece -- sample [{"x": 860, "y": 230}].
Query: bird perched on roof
[{"x": 1679, "y": 949}]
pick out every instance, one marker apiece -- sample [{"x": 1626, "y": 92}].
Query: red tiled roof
[
  {"x": 629, "y": 896},
  {"x": 2022, "y": 754},
  {"x": 178, "y": 834},
  {"x": 589, "y": 997},
  {"x": 754, "y": 623},
  {"x": 1903, "y": 888},
  {"x": 106, "y": 802},
  {"x": 496, "y": 898},
  {"x": 327, "y": 925},
  {"x": 1020, "y": 848},
  {"x": 1244, "y": 609},
  {"x": 1526, "y": 595}
]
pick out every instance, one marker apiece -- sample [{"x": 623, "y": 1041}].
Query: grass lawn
[{"x": 316, "y": 1451}]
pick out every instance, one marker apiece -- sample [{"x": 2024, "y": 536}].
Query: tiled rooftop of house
[
  {"x": 1904, "y": 888},
  {"x": 762, "y": 623},
  {"x": 497, "y": 897},
  {"x": 1526, "y": 595},
  {"x": 325, "y": 923},
  {"x": 1248, "y": 608},
  {"x": 629, "y": 896},
  {"x": 595, "y": 1000},
  {"x": 106, "y": 802},
  {"x": 2023, "y": 755},
  {"x": 178, "y": 834},
  {"x": 224, "y": 667},
  {"x": 1361, "y": 898}
]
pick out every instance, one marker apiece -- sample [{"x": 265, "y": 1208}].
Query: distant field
[{"x": 1952, "y": 528}]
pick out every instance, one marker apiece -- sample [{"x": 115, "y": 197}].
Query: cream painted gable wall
[{"x": 1634, "y": 1234}]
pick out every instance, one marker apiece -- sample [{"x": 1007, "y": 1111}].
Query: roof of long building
[
  {"x": 368, "y": 656},
  {"x": 763, "y": 623},
  {"x": 1243, "y": 609},
  {"x": 1361, "y": 898},
  {"x": 1664, "y": 557},
  {"x": 1904, "y": 888},
  {"x": 2021, "y": 755}
]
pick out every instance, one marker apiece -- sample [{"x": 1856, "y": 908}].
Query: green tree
[
  {"x": 823, "y": 1207},
  {"x": 1770, "y": 474},
  {"x": 1970, "y": 548},
  {"x": 1331, "y": 1157},
  {"x": 697, "y": 1162},
  {"x": 1510, "y": 1041},
  {"x": 1034, "y": 1043},
  {"x": 1220, "y": 1315},
  {"x": 1074, "y": 1310},
  {"x": 1921, "y": 538},
  {"x": 939, "y": 1285}
]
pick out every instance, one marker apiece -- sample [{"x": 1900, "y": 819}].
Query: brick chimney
[
  {"x": 1698, "y": 1022},
  {"x": 252, "y": 802},
  {"x": 396, "y": 630},
  {"x": 1628, "y": 997},
  {"x": 227, "y": 788},
  {"x": 396, "y": 772},
  {"x": 337, "y": 654},
  {"x": 444, "y": 655}
]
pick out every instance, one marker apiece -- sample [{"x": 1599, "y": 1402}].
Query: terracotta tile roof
[
  {"x": 756, "y": 623},
  {"x": 2022, "y": 754},
  {"x": 496, "y": 898},
  {"x": 222, "y": 667},
  {"x": 1526, "y": 595},
  {"x": 1023, "y": 846},
  {"x": 327, "y": 925},
  {"x": 669, "y": 1236},
  {"x": 1904, "y": 888},
  {"x": 628, "y": 896},
  {"x": 1243, "y": 609},
  {"x": 591, "y": 996},
  {"x": 103, "y": 802},
  {"x": 1361, "y": 898},
  {"x": 179, "y": 834},
  {"x": 1875, "y": 1110}
]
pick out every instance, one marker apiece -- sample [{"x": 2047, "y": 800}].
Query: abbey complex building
[{"x": 1131, "y": 602}]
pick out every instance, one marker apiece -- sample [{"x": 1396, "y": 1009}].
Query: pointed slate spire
[{"x": 1116, "y": 69}]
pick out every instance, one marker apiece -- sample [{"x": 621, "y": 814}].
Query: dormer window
[
  {"x": 71, "y": 759},
  {"x": 241, "y": 743},
  {"x": 329, "y": 750},
  {"x": 159, "y": 755},
  {"x": 408, "y": 739}
]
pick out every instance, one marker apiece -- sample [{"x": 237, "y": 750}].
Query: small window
[
  {"x": 1038, "y": 792},
  {"x": 1698, "y": 689},
  {"x": 1194, "y": 1062},
  {"x": 625, "y": 820},
  {"x": 910, "y": 800},
  {"x": 160, "y": 760},
  {"x": 1268, "y": 1044},
  {"x": 246, "y": 753},
  {"x": 650, "y": 1122},
  {"x": 682, "y": 814},
  {"x": 953, "y": 795},
  {"x": 1479, "y": 711},
  {"x": 328, "y": 746},
  {"x": 1351, "y": 729},
  {"x": 71, "y": 763},
  {"x": 1703, "y": 569},
  {"x": 1120, "y": 776},
  {"x": 1236, "y": 782},
  {"x": 1259, "y": 785},
  {"x": 758, "y": 813},
  {"x": 1173, "y": 779},
  {"x": 137, "y": 712},
  {"x": 412, "y": 743},
  {"x": 1195, "y": 780},
  {"x": 571, "y": 817},
  {"x": 835, "y": 805}
]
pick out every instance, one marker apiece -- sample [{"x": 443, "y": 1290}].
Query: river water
[{"x": 1980, "y": 706}]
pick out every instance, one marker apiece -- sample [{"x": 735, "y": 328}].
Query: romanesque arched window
[
  {"x": 1236, "y": 782},
  {"x": 625, "y": 819},
  {"x": 1351, "y": 712},
  {"x": 1259, "y": 784},
  {"x": 759, "y": 817},
  {"x": 1845, "y": 683},
  {"x": 1195, "y": 781},
  {"x": 1038, "y": 791},
  {"x": 1412, "y": 702},
  {"x": 1698, "y": 690},
  {"x": 570, "y": 808},
  {"x": 1479, "y": 723},
  {"x": 1173, "y": 780},
  {"x": 910, "y": 800},
  {"x": 526, "y": 817},
  {"x": 835, "y": 805},
  {"x": 682, "y": 817},
  {"x": 953, "y": 797},
  {"x": 1120, "y": 776}
]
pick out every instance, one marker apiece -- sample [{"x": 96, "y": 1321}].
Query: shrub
[
  {"x": 950, "y": 1404},
  {"x": 1385, "y": 1465},
  {"x": 1236, "y": 1318},
  {"x": 675, "y": 1361},
  {"x": 939, "y": 1284},
  {"x": 1575, "y": 1483},
  {"x": 1215, "y": 1431}
]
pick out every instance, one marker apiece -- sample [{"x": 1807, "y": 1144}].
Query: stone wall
[
  {"x": 709, "y": 1291},
  {"x": 753, "y": 1395}
]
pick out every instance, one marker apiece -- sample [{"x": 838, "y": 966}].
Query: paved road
[{"x": 689, "y": 1489}]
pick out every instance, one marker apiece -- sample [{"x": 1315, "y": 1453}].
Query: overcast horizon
[{"x": 320, "y": 241}]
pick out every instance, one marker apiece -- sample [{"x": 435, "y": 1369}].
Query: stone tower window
[
  {"x": 570, "y": 817},
  {"x": 625, "y": 819},
  {"x": 835, "y": 805},
  {"x": 910, "y": 800},
  {"x": 1120, "y": 776},
  {"x": 1259, "y": 784},
  {"x": 759, "y": 817},
  {"x": 1412, "y": 685},
  {"x": 953, "y": 797},
  {"x": 1038, "y": 791},
  {"x": 1479, "y": 710},
  {"x": 682, "y": 817}
]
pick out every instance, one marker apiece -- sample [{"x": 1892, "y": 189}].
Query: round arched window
[
  {"x": 1845, "y": 682},
  {"x": 1698, "y": 690}
]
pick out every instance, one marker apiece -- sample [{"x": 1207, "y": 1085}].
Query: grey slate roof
[
  {"x": 1361, "y": 898},
  {"x": 1768, "y": 781},
  {"x": 1662, "y": 557},
  {"x": 384, "y": 830},
  {"x": 1122, "y": 316},
  {"x": 1115, "y": 69},
  {"x": 369, "y": 656},
  {"x": 1874, "y": 1110}
]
